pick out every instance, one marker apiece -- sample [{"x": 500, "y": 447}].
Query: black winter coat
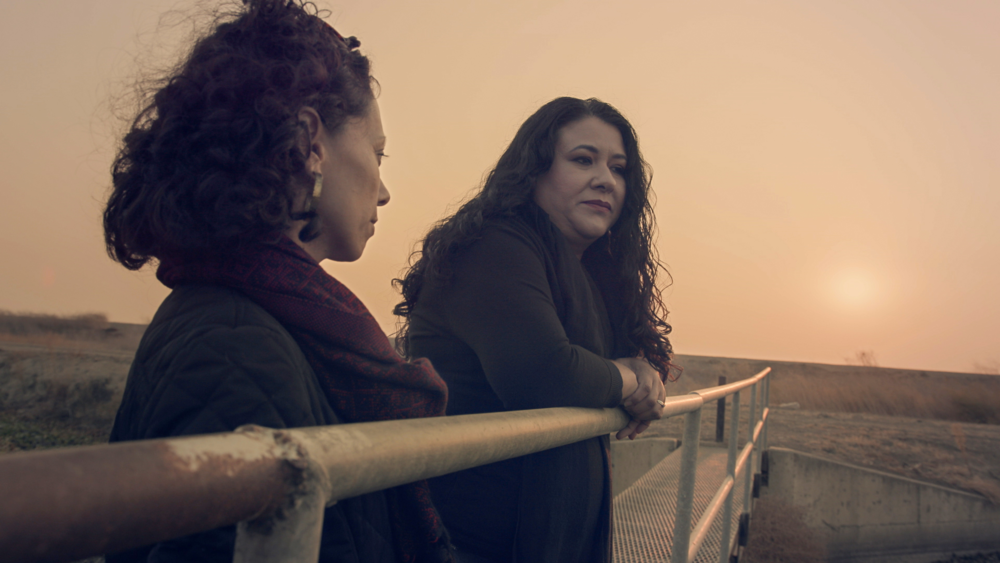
[
  {"x": 210, "y": 361},
  {"x": 521, "y": 325}
]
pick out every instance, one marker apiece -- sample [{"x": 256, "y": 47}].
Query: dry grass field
[
  {"x": 960, "y": 397},
  {"x": 933, "y": 426},
  {"x": 90, "y": 333},
  {"x": 61, "y": 380}
]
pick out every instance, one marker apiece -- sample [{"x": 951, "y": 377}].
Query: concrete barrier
[
  {"x": 874, "y": 516},
  {"x": 631, "y": 459}
]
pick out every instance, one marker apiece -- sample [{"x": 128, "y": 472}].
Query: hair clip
[{"x": 335, "y": 32}]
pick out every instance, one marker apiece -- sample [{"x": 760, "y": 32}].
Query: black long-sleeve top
[{"x": 521, "y": 325}]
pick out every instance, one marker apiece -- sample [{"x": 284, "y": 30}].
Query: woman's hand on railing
[{"x": 645, "y": 404}]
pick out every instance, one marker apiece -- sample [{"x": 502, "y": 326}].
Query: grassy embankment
[
  {"x": 957, "y": 397},
  {"x": 60, "y": 378}
]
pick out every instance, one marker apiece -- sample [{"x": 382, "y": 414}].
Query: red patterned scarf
[{"x": 362, "y": 375}]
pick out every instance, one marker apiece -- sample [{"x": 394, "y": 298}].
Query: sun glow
[{"x": 854, "y": 288}]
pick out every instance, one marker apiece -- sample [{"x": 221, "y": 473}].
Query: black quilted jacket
[{"x": 210, "y": 361}]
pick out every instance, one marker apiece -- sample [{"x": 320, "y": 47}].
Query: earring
[
  {"x": 311, "y": 229},
  {"x": 317, "y": 191}
]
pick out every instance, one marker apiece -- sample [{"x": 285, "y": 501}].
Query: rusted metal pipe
[
  {"x": 62, "y": 505},
  {"x": 72, "y": 503},
  {"x": 292, "y": 533}
]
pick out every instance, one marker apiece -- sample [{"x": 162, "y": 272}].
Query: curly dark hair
[
  {"x": 215, "y": 155},
  {"x": 624, "y": 263}
]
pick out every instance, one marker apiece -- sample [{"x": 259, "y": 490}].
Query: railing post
[
  {"x": 292, "y": 534},
  {"x": 760, "y": 418},
  {"x": 727, "y": 510},
  {"x": 720, "y": 414},
  {"x": 764, "y": 406},
  {"x": 748, "y": 475},
  {"x": 685, "y": 488}
]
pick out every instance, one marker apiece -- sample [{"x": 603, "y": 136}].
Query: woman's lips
[{"x": 596, "y": 203}]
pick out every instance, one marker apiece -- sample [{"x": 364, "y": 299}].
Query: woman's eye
[
  {"x": 620, "y": 170},
  {"x": 583, "y": 160},
  {"x": 380, "y": 156}
]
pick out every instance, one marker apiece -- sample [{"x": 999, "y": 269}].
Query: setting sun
[
  {"x": 824, "y": 171},
  {"x": 854, "y": 288}
]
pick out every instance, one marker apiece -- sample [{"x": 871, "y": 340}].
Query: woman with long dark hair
[
  {"x": 541, "y": 291},
  {"x": 254, "y": 160}
]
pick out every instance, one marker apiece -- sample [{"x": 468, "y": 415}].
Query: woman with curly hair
[
  {"x": 257, "y": 158},
  {"x": 541, "y": 292}
]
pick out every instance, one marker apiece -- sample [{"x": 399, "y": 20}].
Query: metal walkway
[{"x": 644, "y": 512}]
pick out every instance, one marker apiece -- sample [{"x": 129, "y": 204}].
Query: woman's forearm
[{"x": 629, "y": 381}]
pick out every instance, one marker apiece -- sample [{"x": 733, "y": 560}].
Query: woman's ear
[{"x": 312, "y": 131}]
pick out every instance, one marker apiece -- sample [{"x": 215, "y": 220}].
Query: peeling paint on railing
[{"x": 61, "y": 505}]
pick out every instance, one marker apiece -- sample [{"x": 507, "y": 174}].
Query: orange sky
[{"x": 825, "y": 172}]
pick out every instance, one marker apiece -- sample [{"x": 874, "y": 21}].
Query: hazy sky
[{"x": 826, "y": 172}]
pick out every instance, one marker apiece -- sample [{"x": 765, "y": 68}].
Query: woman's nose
[
  {"x": 383, "y": 194},
  {"x": 605, "y": 179}
]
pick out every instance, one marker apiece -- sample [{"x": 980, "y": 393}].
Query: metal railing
[
  {"x": 66, "y": 504},
  {"x": 687, "y": 542}
]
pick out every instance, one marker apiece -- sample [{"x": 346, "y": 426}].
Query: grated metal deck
[{"x": 644, "y": 513}]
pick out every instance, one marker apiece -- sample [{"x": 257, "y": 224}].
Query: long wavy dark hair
[
  {"x": 624, "y": 262},
  {"x": 215, "y": 155}
]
